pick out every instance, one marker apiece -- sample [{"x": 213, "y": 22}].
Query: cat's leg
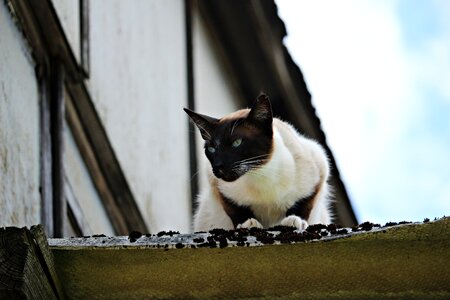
[
  {"x": 210, "y": 214},
  {"x": 299, "y": 213},
  {"x": 241, "y": 216}
]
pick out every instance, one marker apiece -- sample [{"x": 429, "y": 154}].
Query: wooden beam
[
  {"x": 26, "y": 265},
  {"x": 120, "y": 205},
  {"x": 46, "y": 258},
  {"x": 46, "y": 186},
  {"x": 193, "y": 164},
  {"x": 57, "y": 135},
  {"x": 84, "y": 39},
  {"x": 401, "y": 262}
]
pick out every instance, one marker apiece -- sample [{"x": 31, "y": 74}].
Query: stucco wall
[
  {"x": 138, "y": 84},
  {"x": 215, "y": 94},
  {"x": 19, "y": 129}
]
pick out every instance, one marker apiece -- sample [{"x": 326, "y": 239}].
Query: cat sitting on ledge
[{"x": 262, "y": 172}]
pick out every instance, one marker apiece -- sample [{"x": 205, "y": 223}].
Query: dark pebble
[
  {"x": 281, "y": 228},
  {"x": 169, "y": 233},
  {"x": 223, "y": 243},
  {"x": 198, "y": 240},
  {"x": 342, "y": 231},
  {"x": 367, "y": 226},
  {"x": 390, "y": 224},
  {"x": 355, "y": 229},
  {"x": 404, "y": 222},
  {"x": 98, "y": 235},
  {"x": 134, "y": 235},
  {"x": 240, "y": 243},
  {"x": 217, "y": 231}
]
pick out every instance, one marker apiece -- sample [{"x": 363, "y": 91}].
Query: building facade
[{"x": 93, "y": 138}]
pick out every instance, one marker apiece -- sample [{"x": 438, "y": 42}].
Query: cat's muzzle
[{"x": 225, "y": 175}]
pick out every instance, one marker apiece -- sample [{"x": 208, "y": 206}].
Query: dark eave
[{"x": 251, "y": 34}]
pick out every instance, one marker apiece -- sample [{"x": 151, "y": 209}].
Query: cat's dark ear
[
  {"x": 261, "y": 112},
  {"x": 204, "y": 123}
]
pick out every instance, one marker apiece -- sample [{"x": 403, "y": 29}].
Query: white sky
[{"x": 379, "y": 74}]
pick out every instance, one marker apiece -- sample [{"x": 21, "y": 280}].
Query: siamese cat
[{"x": 262, "y": 173}]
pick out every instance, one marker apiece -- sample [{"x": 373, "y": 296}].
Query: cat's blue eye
[
  {"x": 211, "y": 149},
  {"x": 237, "y": 143}
]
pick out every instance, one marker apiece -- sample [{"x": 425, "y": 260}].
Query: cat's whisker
[
  {"x": 254, "y": 162},
  {"x": 254, "y": 157},
  {"x": 249, "y": 165}
]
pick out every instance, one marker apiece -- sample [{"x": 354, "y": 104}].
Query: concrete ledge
[{"x": 403, "y": 262}]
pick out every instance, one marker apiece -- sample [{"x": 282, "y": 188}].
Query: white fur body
[{"x": 297, "y": 168}]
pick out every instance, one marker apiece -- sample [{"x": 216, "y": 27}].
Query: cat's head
[{"x": 239, "y": 142}]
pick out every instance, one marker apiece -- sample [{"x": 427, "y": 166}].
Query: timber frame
[{"x": 56, "y": 70}]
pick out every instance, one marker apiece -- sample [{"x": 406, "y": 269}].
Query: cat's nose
[{"x": 218, "y": 168}]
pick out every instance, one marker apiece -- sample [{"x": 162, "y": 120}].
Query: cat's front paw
[
  {"x": 250, "y": 223},
  {"x": 295, "y": 221}
]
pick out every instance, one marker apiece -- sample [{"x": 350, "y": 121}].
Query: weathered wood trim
[
  {"x": 57, "y": 135},
  {"x": 90, "y": 159},
  {"x": 46, "y": 186},
  {"x": 401, "y": 262},
  {"x": 120, "y": 205},
  {"x": 84, "y": 37},
  {"x": 26, "y": 265},
  {"x": 193, "y": 164}
]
